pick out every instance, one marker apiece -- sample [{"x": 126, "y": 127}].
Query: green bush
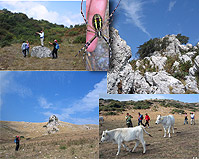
[
  {"x": 182, "y": 39},
  {"x": 72, "y": 33},
  {"x": 149, "y": 47},
  {"x": 80, "y": 39},
  {"x": 178, "y": 111},
  {"x": 62, "y": 147},
  {"x": 110, "y": 113}
]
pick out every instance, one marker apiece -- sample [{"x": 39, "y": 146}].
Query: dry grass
[
  {"x": 184, "y": 143},
  {"x": 72, "y": 141},
  {"x": 11, "y": 58}
]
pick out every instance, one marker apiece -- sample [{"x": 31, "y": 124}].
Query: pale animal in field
[
  {"x": 167, "y": 122},
  {"x": 120, "y": 135}
]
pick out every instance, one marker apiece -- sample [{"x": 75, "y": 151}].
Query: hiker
[
  {"x": 41, "y": 34},
  {"x": 128, "y": 120},
  {"x": 192, "y": 118},
  {"x": 185, "y": 119},
  {"x": 55, "y": 49},
  {"x": 27, "y": 47},
  {"x": 147, "y": 118},
  {"x": 140, "y": 118},
  {"x": 23, "y": 48},
  {"x": 17, "y": 139}
]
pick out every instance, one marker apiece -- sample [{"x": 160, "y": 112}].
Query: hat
[{"x": 55, "y": 41}]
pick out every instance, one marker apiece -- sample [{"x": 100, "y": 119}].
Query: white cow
[
  {"x": 167, "y": 122},
  {"x": 120, "y": 135},
  {"x": 101, "y": 120}
]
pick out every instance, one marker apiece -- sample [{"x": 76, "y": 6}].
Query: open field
[
  {"x": 11, "y": 58},
  {"x": 71, "y": 141},
  {"x": 183, "y": 144}
]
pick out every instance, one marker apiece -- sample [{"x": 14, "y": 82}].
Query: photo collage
[{"x": 99, "y": 79}]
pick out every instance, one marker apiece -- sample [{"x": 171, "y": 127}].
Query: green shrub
[
  {"x": 80, "y": 39},
  {"x": 111, "y": 113},
  {"x": 72, "y": 33},
  {"x": 62, "y": 147},
  {"x": 182, "y": 39},
  {"x": 178, "y": 111}
]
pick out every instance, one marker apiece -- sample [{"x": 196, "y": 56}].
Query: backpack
[
  {"x": 15, "y": 141},
  {"x": 141, "y": 117},
  {"x": 57, "y": 46}
]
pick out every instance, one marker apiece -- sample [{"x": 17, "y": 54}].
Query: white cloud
[
  {"x": 44, "y": 103},
  {"x": 171, "y": 5},
  {"x": 85, "y": 105},
  {"x": 38, "y": 10},
  {"x": 9, "y": 85},
  {"x": 134, "y": 13}
]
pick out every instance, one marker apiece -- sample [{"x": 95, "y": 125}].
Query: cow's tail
[{"x": 146, "y": 131}]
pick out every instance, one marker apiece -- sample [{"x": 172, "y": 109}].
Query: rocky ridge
[{"x": 160, "y": 73}]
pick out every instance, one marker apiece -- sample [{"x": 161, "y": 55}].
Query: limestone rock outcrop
[
  {"x": 157, "y": 74},
  {"x": 41, "y": 52},
  {"x": 52, "y": 125}
]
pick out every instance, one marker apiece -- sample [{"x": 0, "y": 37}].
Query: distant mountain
[
  {"x": 16, "y": 27},
  {"x": 166, "y": 65}
]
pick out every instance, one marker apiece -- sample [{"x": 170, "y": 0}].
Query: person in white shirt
[
  {"x": 192, "y": 118},
  {"x": 41, "y": 34}
]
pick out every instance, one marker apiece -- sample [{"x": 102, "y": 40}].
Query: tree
[{"x": 182, "y": 39}]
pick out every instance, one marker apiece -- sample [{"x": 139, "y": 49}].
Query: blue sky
[
  {"x": 33, "y": 96},
  {"x": 60, "y": 12},
  {"x": 140, "y": 20},
  {"x": 187, "y": 98}
]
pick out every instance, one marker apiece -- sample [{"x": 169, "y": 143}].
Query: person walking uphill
[
  {"x": 17, "y": 140},
  {"x": 23, "y": 48},
  {"x": 55, "y": 49},
  {"x": 128, "y": 120},
  {"x": 147, "y": 118},
  {"x": 41, "y": 34},
  {"x": 140, "y": 118}
]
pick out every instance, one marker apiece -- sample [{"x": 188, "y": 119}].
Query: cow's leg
[
  {"x": 165, "y": 132},
  {"x": 126, "y": 147},
  {"x": 119, "y": 147},
  {"x": 169, "y": 131},
  {"x": 173, "y": 128},
  {"x": 136, "y": 145},
  {"x": 143, "y": 144}
]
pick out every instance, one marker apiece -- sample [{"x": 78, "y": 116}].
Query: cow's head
[
  {"x": 105, "y": 136},
  {"x": 159, "y": 119}
]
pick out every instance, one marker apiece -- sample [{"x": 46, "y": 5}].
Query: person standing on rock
[
  {"x": 17, "y": 140},
  {"x": 128, "y": 120},
  {"x": 55, "y": 49},
  {"x": 27, "y": 47},
  {"x": 41, "y": 34},
  {"x": 23, "y": 48}
]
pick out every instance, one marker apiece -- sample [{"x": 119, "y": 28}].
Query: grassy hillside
[
  {"x": 80, "y": 141},
  {"x": 16, "y": 27},
  {"x": 114, "y": 107}
]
